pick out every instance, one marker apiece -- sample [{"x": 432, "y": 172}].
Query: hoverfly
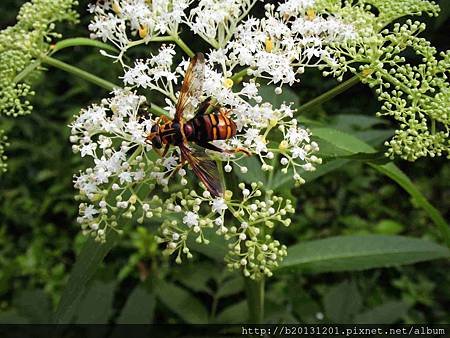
[{"x": 200, "y": 130}]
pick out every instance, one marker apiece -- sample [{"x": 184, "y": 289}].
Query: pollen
[
  {"x": 366, "y": 72},
  {"x": 228, "y": 83},
  {"x": 116, "y": 7},
  {"x": 311, "y": 14},
  {"x": 143, "y": 31},
  {"x": 269, "y": 44},
  {"x": 283, "y": 146}
]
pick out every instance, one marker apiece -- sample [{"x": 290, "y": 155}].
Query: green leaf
[
  {"x": 349, "y": 122},
  {"x": 35, "y": 305},
  {"x": 233, "y": 314},
  {"x": 389, "y": 227},
  {"x": 287, "y": 96},
  {"x": 342, "y": 302},
  {"x": 281, "y": 179},
  {"x": 254, "y": 173},
  {"x": 139, "y": 308},
  {"x": 12, "y": 317},
  {"x": 344, "y": 142},
  {"x": 196, "y": 276},
  {"x": 96, "y": 305},
  {"x": 215, "y": 249},
  {"x": 398, "y": 176},
  {"x": 231, "y": 287},
  {"x": 374, "y": 137},
  {"x": 350, "y": 253},
  {"x": 387, "y": 313},
  {"x": 181, "y": 302},
  {"x": 86, "y": 266}
]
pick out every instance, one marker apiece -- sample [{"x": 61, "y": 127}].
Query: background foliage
[{"x": 39, "y": 238}]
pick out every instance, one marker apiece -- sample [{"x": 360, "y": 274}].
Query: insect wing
[
  {"x": 205, "y": 169},
  {"x": 192, "y": 84}
]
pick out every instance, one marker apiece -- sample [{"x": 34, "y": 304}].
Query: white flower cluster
[
  {"x": 252, "y": 248},
  {"x": 126, "y": 175},
  {"x": 115, "y": 19},
  {"x": 290, "y": 38},
  {"x": 215, "y": 20}
]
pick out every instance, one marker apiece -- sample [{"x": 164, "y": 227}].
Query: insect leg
[
  {"x": 164, "y": 118},
  {"x": 204, "y": 106},
  {"x": 166, "y": 149},
  {"x": 211, "y": 146}
]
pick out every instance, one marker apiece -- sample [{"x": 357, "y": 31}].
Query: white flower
[
  {"x": 190, "y": 219},
  {"x": 218, "y": 205},
  {"x": 89, "y": 212}
]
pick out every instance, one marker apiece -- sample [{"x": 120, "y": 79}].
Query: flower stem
[
  {"x": 78, "y": 72},
  {"x": 183, "y": 46},
  {"x": 255, "y": 300},
  {"x": 330, "y": 94},
  {"x": 157, "y": 110},
  {"x": 73, "y": 42}
]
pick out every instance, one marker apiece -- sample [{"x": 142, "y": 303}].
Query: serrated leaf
[
  {"x": 181, "y": 302},
  {"x": 351, "y": 253},
  {"x": 139, "y": 307}
]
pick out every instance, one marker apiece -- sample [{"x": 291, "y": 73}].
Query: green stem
[
  {"x": 157, "y": 110},
  {"x": 78, "y": 72},
  {"x": 255, "y": 300},
  {"x": 73, "y": 42},
  {"x": 26, "y": 71},
  {"x": 221, "y": 174},
  {"x": 239, "y": 75},
  {"x": 330, "y": 94},
  {"x": 183, "y": 46}
]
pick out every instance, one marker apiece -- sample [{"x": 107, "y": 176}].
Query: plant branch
[
  {"x": 183, "y": 46},
  {"x": 255, "y": 300},
  {"x": 73, "y": 42},
  {"x": 330, "y": 94},
  {"x": 78, "y": 72}
]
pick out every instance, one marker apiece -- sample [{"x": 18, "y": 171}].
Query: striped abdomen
[{"x": 210, "y": 127}]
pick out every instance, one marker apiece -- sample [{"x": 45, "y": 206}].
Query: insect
[{"x": 199, "y": 131}]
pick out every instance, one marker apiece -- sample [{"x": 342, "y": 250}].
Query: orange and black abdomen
[{"x": 210, "y": 127}]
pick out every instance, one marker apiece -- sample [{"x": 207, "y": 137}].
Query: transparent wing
[
  {"x": 204, "y": 167},
  {"x": 192, "y": 84}
]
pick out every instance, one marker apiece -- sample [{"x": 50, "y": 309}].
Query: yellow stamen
[
  {"x": 228, "y": 83},
  {"x": 269, "y": 44},
  {"x": 311, "y": 14},
  {"x": 228, "y": 194},
  {"x": 143, "y": 31},
  {"x": 283, "y": 145},
  {"x": 116, "y": 7},
  {"x": 366, "y": 72}
]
